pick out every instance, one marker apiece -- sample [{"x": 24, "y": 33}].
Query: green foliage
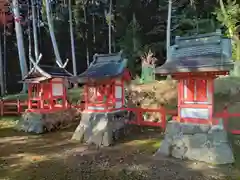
[
  {"x": 126, "y": 44},
  {"x": 232, "y": 18},
  {"x": 229, "y": 17},
  {"x": 109, "y": 17},
  {"x": 192, "y": 22},
  {"x": 137, "y": 26}
]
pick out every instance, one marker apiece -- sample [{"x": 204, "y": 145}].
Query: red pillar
[{"x": 30, "y": 86}]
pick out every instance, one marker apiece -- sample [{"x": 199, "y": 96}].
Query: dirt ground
[{"x": 54, "y": 157}]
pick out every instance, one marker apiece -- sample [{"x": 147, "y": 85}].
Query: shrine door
[{"x": 195, "y": 100}]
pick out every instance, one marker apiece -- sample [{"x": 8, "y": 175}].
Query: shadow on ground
[{"x": 54, "y": 156}]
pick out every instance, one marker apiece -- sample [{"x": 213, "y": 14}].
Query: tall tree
[
  {"x": 110, "y": 28},
  {"x": 72, "y": 38},
  {"x": 1, "y": 68},
  {"x": 108, "y": 16},
  {"x": 52, "y": 35},
  {"x": 20, "y": 44},
  {"x": 86, "y": 33},
  {"x": 5, "y": 54},
  {"x": 35, "y": 33},
  {"x": 29, "y": 36},
  {"x": 168, "y": 32}
]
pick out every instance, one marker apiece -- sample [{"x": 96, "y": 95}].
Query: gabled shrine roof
[
  {"x": 55, "y": 71},
  {"x": 104, "y": 66},
  {"x": 44, "y": 72},
  {"x": 200, "y": 53}
]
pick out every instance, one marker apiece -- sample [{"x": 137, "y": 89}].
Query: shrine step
[{"x": 101, "y": 129}]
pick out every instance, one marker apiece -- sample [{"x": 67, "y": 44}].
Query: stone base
[
  {"x": 196, "y": 142},
  {"x": 101, "y": 129},
  {"x": 44, "y": 122}
]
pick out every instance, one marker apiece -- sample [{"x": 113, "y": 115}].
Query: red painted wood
[
  {"x": 101, "y": 95},
  {"x": 147, "y": 123},
  {"x": 199, "y": 121},
  {"x": 180, "y": 95},
  {"x": 201, "y": 75},
  {"x": 201, "y": 90},
  {"x": 190, "y": 89},
  {"x": 43, "y": 93}
]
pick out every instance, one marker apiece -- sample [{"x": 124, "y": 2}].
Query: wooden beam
[
  {"x": 36, "y": 67},
  {"x": 62, "y": 65}
]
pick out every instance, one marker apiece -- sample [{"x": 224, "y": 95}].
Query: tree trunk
[
  {"x": 1, "y": 68},
  {"x": 39, "y": 24},
  {"x": 168, "y": 33},
  {"x": 86, "y": 34},
  {"x": 72, "y": 38},
  {"x": 29, "y": 48},
  {"x": 93, "y": 27},
  {"x": 34, "y": 24},
  {"x": 134, "y": 32},
  {"x": 29, "y": 38},
  {"x": 5, "y": 55},
  {"x": 20, "y": 44},
  {"x": 51, "y": 30},
  {"x": 110, "y": 28}
]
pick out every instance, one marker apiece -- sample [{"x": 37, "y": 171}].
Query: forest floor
[{"x": 53, "y": 156}]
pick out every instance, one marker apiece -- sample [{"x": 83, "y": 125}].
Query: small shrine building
[
  {"x": 196, "y": 61},
  {"x": 104, "y": 92},
  {"x": 104, "y": 83},
  {"x": 47, "y": 88}
]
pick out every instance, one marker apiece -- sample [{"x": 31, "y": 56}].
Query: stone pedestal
[
  {"x": 100, "y": 129},
  {"x": 37, "y": 122},
  {"x": 197, "y": 142}
]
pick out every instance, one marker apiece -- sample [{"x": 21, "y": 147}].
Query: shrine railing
[
  {"x": 16, "y": 107},
  {"x": 225, "y": 116},
  {"x": 140, "y": 120},
  {"x": 13, "y": 107}
]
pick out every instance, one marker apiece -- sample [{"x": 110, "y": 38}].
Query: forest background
[{"x": 77, "y": 29}]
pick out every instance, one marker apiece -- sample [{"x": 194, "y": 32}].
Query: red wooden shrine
[
  {"x": 106, "y": 95},
  {"x": 104, "y": 83},
  {"x": 196, "y": 62},
  {"x": 47, "y": 88},
  {"x": 196, "y": 97}
]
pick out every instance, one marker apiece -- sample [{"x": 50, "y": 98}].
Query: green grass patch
[
  {"x": 7, "y": 125},
  {"x": 73, "y": 95},
  {"x": 8, "y": 121},
  {"x": 20, "y": 96},
  {"x": 148, "y": 146}
]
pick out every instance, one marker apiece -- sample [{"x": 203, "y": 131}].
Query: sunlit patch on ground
[{"x": 53, "y": 156}]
